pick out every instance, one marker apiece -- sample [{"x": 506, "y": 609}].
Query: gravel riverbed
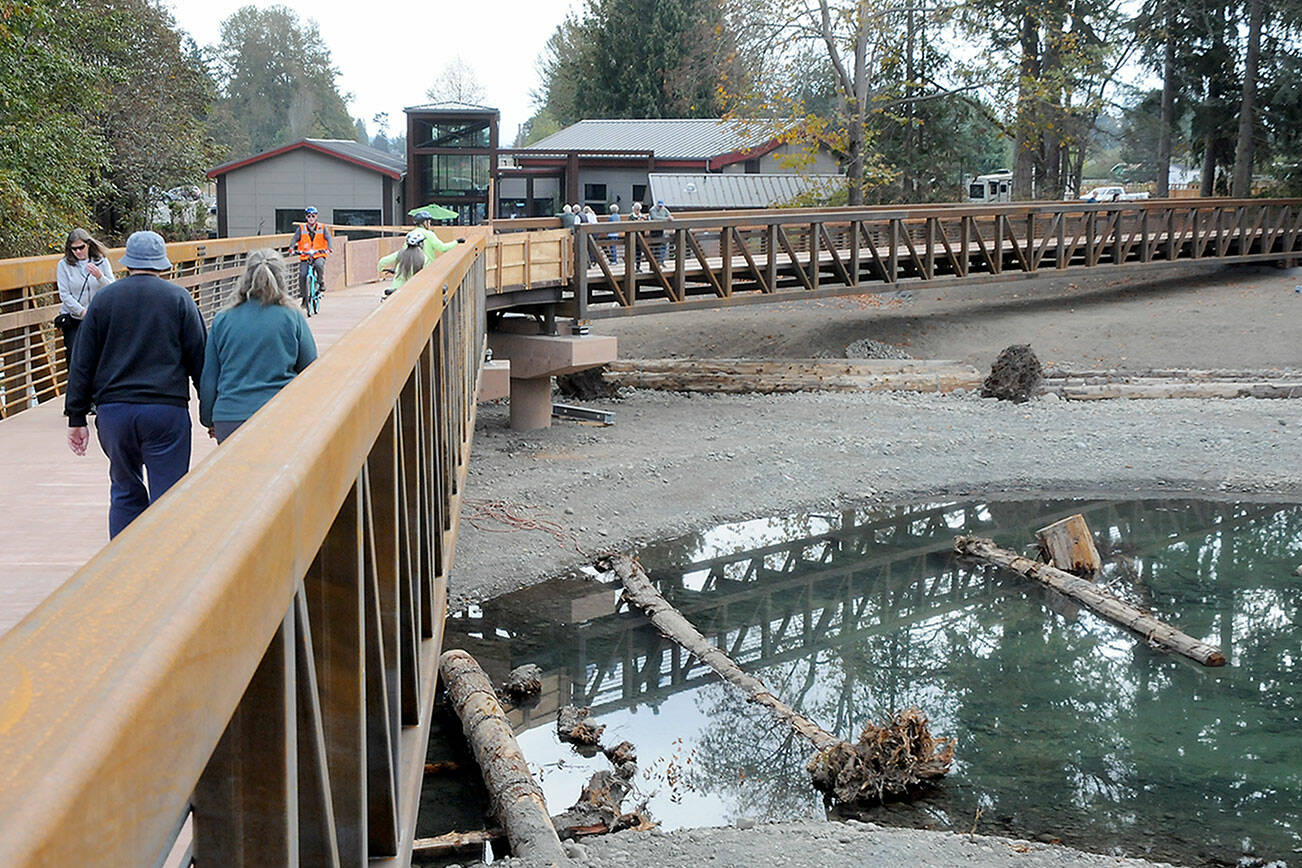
[{"x": 676, "y": 462}]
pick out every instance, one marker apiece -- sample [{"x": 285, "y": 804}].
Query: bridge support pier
[{"x": 535, "y": 359}]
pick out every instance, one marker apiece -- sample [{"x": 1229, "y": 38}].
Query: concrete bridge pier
[{"x": 536, "y": 358}]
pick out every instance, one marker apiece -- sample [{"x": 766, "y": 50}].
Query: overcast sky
[{"x": 389, "y": 52}]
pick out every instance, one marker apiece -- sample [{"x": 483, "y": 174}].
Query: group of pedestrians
[
  {"x": 139, "y": 344},
  {"x": 572, "y": 215}
]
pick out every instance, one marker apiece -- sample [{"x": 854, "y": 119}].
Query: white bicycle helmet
[{"x": 415, "y": 238}]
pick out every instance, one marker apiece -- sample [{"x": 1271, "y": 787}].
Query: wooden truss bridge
[{"x": 737, "y": 258}]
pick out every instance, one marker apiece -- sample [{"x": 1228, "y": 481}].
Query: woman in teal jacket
[{"x": 257, "y": 344}]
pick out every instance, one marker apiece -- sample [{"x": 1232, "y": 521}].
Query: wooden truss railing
[
  {"x": 33, "y": 365},
  {"x": 652, "y": 267},
  {"x": 258, "y": 651}
]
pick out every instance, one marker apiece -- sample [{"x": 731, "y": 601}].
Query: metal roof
[
  {"x": 730, "y": 190},
  {"x": 346, "y": 149},
  {"x": 684, "y": 139},
  {"x": 364, "y": 153},
  {"x": 450, "y": 105}
]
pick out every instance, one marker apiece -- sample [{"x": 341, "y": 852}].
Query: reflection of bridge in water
[{"x": 865, "y": 576}]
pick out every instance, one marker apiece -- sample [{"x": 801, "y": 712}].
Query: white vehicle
[
  {"x": 1115, "y": 193},
  {"x": 995, "y": 187}
]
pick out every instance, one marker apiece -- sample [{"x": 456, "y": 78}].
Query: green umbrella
[{"x": 438, "y": 212}]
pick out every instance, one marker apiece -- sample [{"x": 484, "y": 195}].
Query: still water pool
[{"x": 1066, "y": 726}]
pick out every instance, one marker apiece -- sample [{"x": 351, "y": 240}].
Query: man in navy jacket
[{"x": 139, "y": 348}]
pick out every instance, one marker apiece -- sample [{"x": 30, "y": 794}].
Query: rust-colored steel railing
[
  {"x": 33, "y": 361},
  {"x": 711, "y": 261},
  {"x": 258, "y": 650}
]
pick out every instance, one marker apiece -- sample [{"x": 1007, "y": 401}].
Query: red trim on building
[
  {"x": 311, "y": 146},
  {"x": 717, "y": 163}
]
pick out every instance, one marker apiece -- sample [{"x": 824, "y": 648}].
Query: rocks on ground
[{"x": 867, "y": 348}]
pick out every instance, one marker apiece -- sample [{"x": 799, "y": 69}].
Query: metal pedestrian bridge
[{"x": 246, "y": 675}]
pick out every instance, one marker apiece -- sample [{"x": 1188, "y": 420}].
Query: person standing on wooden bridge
[
  {"x": 138, "y": 350},
  {"x": 83, "y": 271},
  {"x": 258, "y": 343},
  {"x": 660, "y": 212}
]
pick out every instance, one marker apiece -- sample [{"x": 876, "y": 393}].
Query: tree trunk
[
  {"x": 517, "y": 800},
  {"x": 1070, "y": 545},
  {"x": 669, "y": 621},
  {"x": 1165, "y": 131},
  {"x": 1242, "y": 187},
  {"x": 1208, "y": 186},
  {"x": 1093, "y": 598},
  {"x": 1026, "y": 145},
  {"x": 795, "y": 375}
]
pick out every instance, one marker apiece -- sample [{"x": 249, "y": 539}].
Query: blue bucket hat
[{"x": 146, "y": 250}]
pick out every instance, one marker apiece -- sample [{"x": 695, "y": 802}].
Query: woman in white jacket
[{"x": 83, "y": 271}]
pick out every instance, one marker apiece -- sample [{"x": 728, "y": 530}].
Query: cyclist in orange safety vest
[{"x": 314, "y": 243}]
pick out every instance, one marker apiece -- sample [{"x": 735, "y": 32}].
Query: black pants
[{"x": 70, "y": 338}]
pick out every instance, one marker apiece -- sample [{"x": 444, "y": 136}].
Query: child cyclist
[{"x": 403, "y": 263}]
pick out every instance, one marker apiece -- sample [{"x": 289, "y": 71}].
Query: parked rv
[
  {"x": 1114, "y": 193},
  {"x": 995, "y": 187}
]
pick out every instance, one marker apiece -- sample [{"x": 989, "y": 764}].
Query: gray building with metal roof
[
  {"x": 350, "y": 183},
  {"x": 610, "y": 162}
]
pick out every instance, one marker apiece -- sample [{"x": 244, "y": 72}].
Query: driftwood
[
  {"x": 523, "y": 681},
  {"x": 890, "y": 760},
  {"x": 1070, "y": 546},
  {"x": 1137, "y": 389},
  {"x": 795, "y": 375},
  {"x": 1093, "y": 598},
  {"x": 455, "y": 842},
  {"x": 518, "y": 802},
  {"x": 572, "y": 727},
  {"x": 1105, "y": 375}
]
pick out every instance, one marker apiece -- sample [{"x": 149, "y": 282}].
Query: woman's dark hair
[
  {"x": 410, "y": 261},
  {"x": 94, "y": 249}
]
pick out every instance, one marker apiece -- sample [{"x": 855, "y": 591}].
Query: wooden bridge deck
[{"x": 57, "y": 504}]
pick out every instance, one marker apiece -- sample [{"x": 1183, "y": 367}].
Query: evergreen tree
[
  {"x": 278, "y": 80},
  {"x": 637, "y": 59}
]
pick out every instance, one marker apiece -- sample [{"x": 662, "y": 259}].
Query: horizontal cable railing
[
  {"x": 656, "y": 266},
  {"x": 33, "y": 362},
  {"x": 258, "y": 650}
]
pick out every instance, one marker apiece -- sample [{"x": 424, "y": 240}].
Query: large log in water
[
  {"x": 1093, "y": 598},
  {"x": 518, "y": 802},
  {"x": 890, "y": 760}
]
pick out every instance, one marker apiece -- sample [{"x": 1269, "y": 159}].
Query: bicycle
[{"x": 312, "y": 294}]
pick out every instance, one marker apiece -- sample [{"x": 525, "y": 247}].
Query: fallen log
[
  {"x": 1102, "y": 391},
  {"x": 891, "y": 760},
  {"x": 1094, "y": 599},
  {"x": 518, "y": 802},
  {"x": 1070, "y": 545},
  {"x": 1109, "y": 374},
  {"x": 796, "y": 375},
  {"x": 455, "y": 842}
]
